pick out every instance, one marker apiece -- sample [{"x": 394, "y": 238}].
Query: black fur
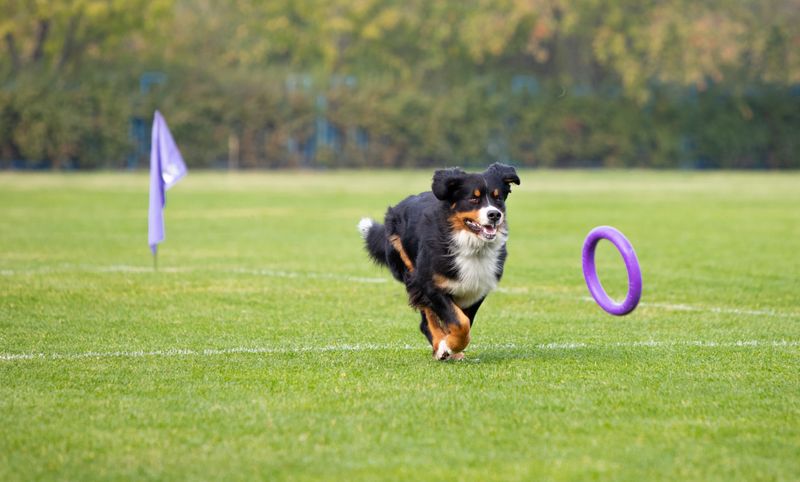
[{"x": 424, "y": 224}]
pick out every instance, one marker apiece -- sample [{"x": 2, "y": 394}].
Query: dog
[{"x": 448, "y": 246}]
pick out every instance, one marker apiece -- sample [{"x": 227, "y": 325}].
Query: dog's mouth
[{"x": 486, "y": 231}]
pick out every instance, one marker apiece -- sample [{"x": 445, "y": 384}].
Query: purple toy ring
[{"x": 631, "y": 263}]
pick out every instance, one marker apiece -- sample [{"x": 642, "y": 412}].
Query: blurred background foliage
[{"x": 385, "y": 83}]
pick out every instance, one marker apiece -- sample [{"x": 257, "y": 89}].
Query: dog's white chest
[{"x": 477, "y": 265}]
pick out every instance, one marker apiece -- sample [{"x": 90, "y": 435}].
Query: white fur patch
[
  {"x": 483, "y": 215},
  {"x": 442, "y": 351},
  {"x": 476, "y": 261},
  {"x": 364, "y": 226}
]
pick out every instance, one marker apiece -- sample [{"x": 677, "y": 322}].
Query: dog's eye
[{"x": 474, "y": 200}]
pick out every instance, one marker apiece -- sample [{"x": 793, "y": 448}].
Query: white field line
[
  {"x": 296, "y": 274},
  {"x": 185, "y": 352},
  {"x": 121, "y": 268},
  {"x": 272, "y": 273},
  {"x": 520, "y": 290},
  {"x": 711, "y": 309}
]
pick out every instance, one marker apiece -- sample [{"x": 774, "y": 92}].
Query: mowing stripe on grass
[
  {"x": 178, "y": 352},
  {"x": 273, "y": 273}
]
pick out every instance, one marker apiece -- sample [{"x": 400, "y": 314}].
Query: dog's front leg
[
  {"x": 453, "y": 332},
  {"x": 438, "y": 333},
  {"x": 448, "y": 325}
]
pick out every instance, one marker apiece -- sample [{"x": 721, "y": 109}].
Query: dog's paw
[{"x": 443, "y": 352}]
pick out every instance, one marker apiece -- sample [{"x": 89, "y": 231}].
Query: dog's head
[{"x": 477, "y": 202}]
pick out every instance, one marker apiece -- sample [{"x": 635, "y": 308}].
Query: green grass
[{"x": 341, "y": 384}]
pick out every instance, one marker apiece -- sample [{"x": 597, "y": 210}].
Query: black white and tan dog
[{"x": 448, "y": 246}]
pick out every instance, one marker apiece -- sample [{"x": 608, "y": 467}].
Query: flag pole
[{"x": 155, "y": 260}]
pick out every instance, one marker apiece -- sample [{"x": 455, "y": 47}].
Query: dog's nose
[{"x": 494, "y": 216}]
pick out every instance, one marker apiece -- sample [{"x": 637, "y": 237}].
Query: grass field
[{"x": 267, "y": 346}]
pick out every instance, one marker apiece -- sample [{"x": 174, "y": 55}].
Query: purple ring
[{"x": 631, "y": 263}]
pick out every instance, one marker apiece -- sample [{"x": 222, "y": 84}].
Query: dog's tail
[{"x": 374, "y": 235}]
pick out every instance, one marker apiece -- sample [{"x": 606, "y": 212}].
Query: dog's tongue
[{"x": 489, "y": 230}]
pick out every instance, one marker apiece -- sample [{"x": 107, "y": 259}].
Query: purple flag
[{"x": 166, "y": 168}]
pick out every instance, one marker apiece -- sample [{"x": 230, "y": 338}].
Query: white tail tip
[{"x": 364, "y": 226}]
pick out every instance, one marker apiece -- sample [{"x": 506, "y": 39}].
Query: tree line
[{"x": 384, "y": 83}]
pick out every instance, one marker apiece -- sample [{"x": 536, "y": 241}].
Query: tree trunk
[
  {"x": 233, "y": 151},
  {"x": 13, "y": 52},
  {"x": 41, "y": 38},
  {"x": 69, "y": 41}
]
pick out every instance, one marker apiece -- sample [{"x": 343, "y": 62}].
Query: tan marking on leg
[
  {"x": 435, "y": 327},
  {"x": 458, "y": 335},
  {"x": 398, "y": 246},
  {"x": 455, "y": 336},
  {"x": 440, "y": 281}
]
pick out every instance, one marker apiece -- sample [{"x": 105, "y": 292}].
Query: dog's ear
[
  {"x": 446, "y": 182},
  {"x": 505, "y": 173}
]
